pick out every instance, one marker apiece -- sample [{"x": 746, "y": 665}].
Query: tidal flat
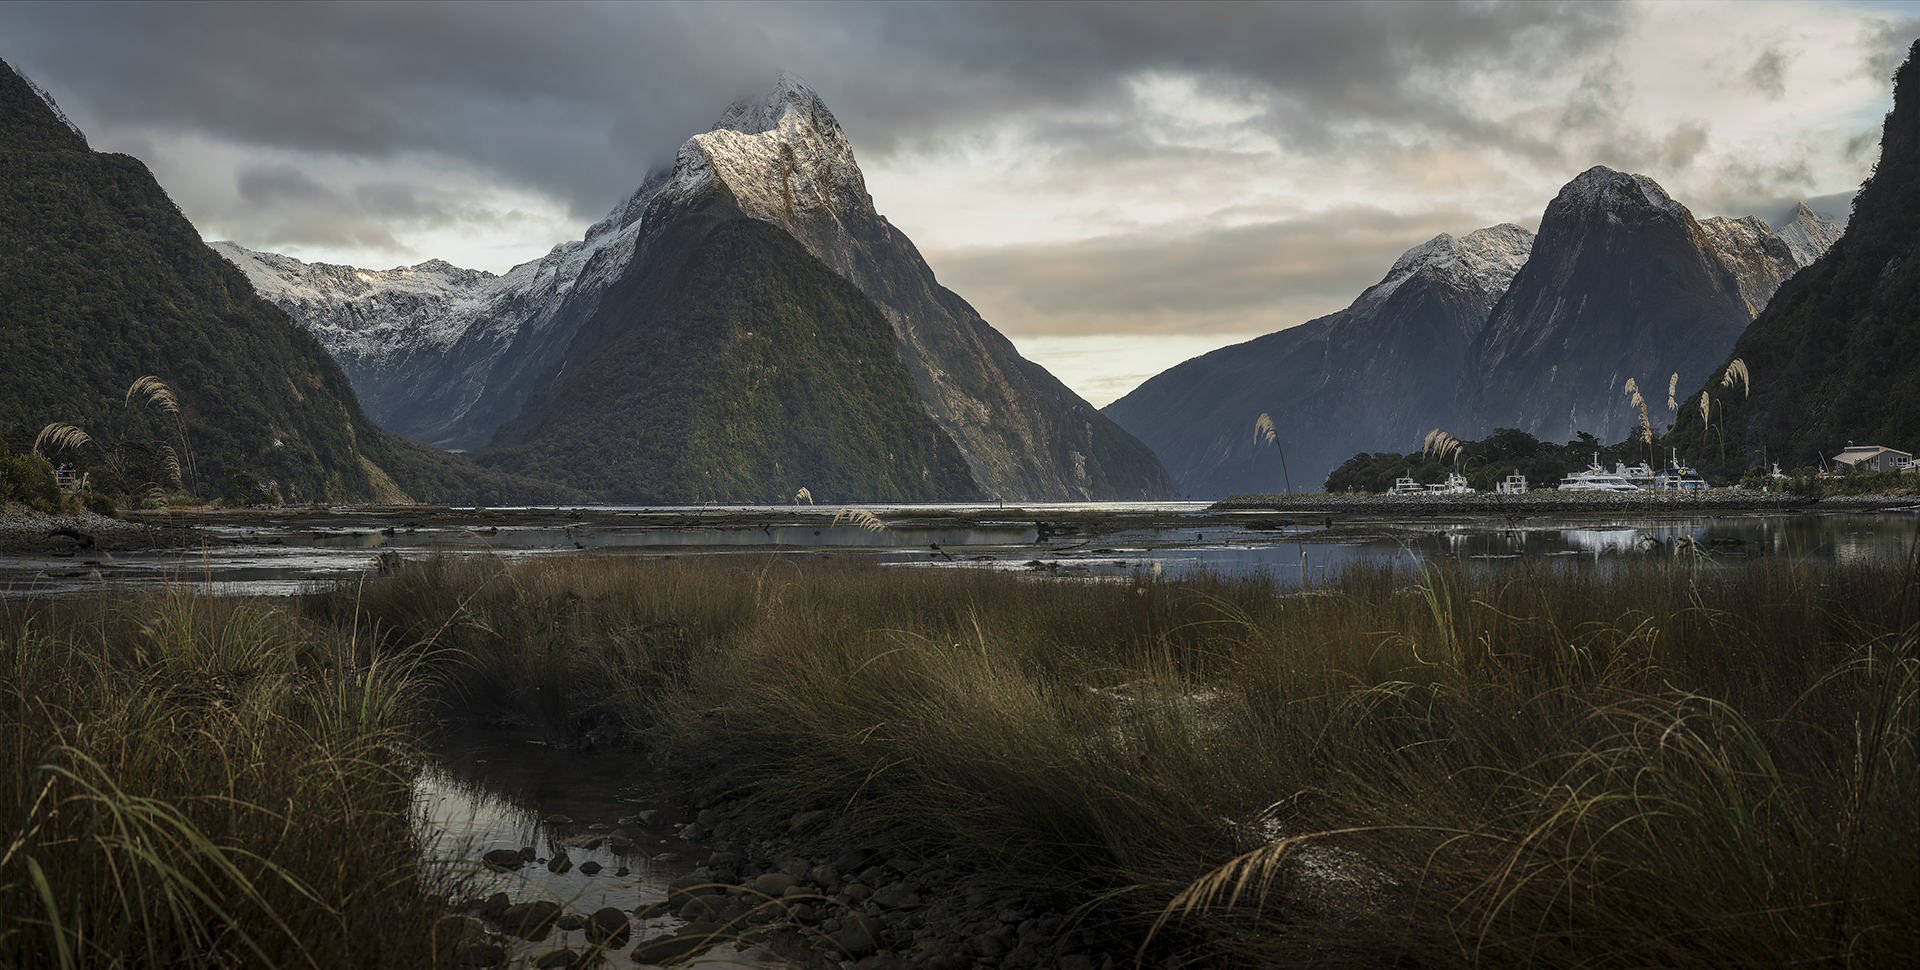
[{"x": 1641, "y": 753}]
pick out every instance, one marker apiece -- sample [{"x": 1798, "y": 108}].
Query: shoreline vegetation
[{"x": 1669, "y": 763}]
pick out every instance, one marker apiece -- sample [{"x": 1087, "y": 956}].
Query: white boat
[
  {"x": 1456, "y": 485},
  {"x": 1597, "y": 479},
  {"x": 1407, "y": 486},
  {"x": 1514, "y": 484}
]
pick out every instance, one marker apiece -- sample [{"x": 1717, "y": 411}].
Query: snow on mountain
[
  {"x": 1759, "y": 260},
  {"x": 1484, "y": 259},
  {"x": 426, "y": 346},
  {"x": 787, "y": 162},
  {"x": 1809, "y": 234}
]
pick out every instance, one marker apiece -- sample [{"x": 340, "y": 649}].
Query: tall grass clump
[
  {"x": 1668, "y": 762},
  {"x": 195, "y": 781}
]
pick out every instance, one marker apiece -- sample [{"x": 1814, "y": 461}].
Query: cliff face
[
  {"x": 1758, "y": 258},
  {"x": 1025, "y": 435},
  {"x": 1622, "y": 283},
  {"x": 728, "y": 364},
  {"x": 1373, "y": 376}
]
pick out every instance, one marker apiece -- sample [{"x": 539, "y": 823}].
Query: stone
[
  {"x": 556, "y": 958},
  {"x": 503, "y": 859},
  {"x": 1076, "y": 961},
  {"x": 571, "y": 922},
  {"x": 802, "y": 821},
  {"x": 774, "y": 884},
  {"x": 699, "y": 908},
  {"x": 669, "y": 950},
  {"x": 530, "y": 921},
  {"x": 858, "y": 936},
  {"x": 857, "y": 892},
  {"x": 897, "y": 895},
  {"x": 652, "y": 910},
  {"x": 492, "y": 909},
  {"x": 873, "y": 875},
  {"x": 988, "y": 946},
  {"x": 589, "y": 867},
  {"x": 485, "y": 955},
  {"x": 599, "y": 827},
  {"x": 559, "y": 863},
  {"x": 559, "y": 820},
  {"x": 608, "y": 928},
  {"x": 823, "y": 876},
  {"x": 854, "y": 861}
]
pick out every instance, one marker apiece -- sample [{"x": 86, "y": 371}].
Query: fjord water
[{"x": 282, "y": 555}]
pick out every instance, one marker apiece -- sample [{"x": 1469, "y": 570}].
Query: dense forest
[
  {"x": 1835, "y": 357},
  {"x": 175, "y": 379},
  {"x": 1487, "y": 462}
]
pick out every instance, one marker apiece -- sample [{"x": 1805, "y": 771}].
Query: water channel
[{"x": 272, "y": 554}]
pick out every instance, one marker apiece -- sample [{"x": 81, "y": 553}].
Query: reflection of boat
[{"x": 1597, "y": 479}]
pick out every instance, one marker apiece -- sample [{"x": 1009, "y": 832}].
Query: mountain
[
  {"x": 1622, "y": 283},
  {"x": 465, "y": 361},
  {"x": 1835, "y": 357},
  {"x": 103, "y": 281},
  {"x": 729, "y": 364},
  {"x": 446, "y": 354},
  {"x": 1809, "y": 234},
  {"x": 1377, "y": 374}
]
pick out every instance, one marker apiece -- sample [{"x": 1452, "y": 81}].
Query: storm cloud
[{"x": 1074, "y": 169}]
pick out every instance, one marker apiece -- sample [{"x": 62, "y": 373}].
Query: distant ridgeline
[
  {"x": 103, "y": 282},
  {"x": 1835, "y": 359}
]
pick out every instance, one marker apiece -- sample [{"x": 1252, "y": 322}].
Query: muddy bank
[{"x": 29, "y": 533}]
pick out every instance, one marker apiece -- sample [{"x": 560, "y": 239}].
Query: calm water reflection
[{"x": 278, "y": 557}]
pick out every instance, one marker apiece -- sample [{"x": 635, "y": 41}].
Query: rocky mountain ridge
[
  {"x": 1385, "y": 369},
  {"x": 1622, "y": 283},
  {"x": 464, "y": 364},
  {"x": 1419, "y": 350}
]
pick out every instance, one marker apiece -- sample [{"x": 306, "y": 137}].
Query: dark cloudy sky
[{"x": 1116, "y": 187}]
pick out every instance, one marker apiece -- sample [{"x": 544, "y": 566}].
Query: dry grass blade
[
  {"x": 157, "y": 393},
  {"x": 1440, "y": 444},
  {"x": 59, "y": 436},
  {"x": 1264, "y": 432},
  {"x": 1631, "y": 388},
  {"x": 860, "y": 517},
  {"x": 803, "y": 494},
  {"x": 1673, "y": 387},
  {"x": 1737, "y": 371},
  {"x": 1706, "y": 407}
]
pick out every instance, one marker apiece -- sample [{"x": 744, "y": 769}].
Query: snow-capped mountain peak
[
  {"x": 789, "y": 94},
  {"x": 783, "y": 155},
  {"x": 1613, "y": 192},
  {"x": 1809, "y": 234},
  {"x": 1486, "y": 258}
]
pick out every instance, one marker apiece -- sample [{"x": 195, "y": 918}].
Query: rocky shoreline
[
  {"x": 780, "y": 895},
  {"x": 27, "y": 532},
  {"x": 1558, "y": 503}
]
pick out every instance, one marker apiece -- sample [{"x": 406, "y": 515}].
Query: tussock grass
[
  {"x": 202, "y": 782},
  {"x": 1664, "y": 764}
]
